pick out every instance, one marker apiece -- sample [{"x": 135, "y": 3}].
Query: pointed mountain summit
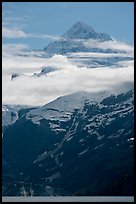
[
  {"x": 78, "y": 30},
  {"x": 81, "y": 30}
]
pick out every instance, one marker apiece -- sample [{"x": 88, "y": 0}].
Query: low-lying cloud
[
  {"x": 113, "y": 45},
  {"x": 68, "y": 78},
  {"x": 18, "y": 33}
]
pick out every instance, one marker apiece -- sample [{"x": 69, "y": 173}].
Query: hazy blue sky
[{"x": 54, "y": 18}]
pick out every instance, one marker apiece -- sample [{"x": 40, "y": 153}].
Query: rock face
[
  {"x": 15, "y": 75},
  {"x": 67, "y": 149},
  {"x": 45, "y": 71}
]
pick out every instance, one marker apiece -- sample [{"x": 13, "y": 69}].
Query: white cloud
[
  {"x": 13, "y": 33},
  {"x": 19, "y": 58},
  {"x": 12, "y": 27},
  {"x": 44, "y": 36},
  {"x": 18, "y": 33},
  {"x": 115, "y": 45},
  {"x": 13, "y": 49},
  {"x": 67, "y": 79},
  {"x": 98, "y": 55}
]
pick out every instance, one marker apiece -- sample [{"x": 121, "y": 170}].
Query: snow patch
[
  {"x": 69, "y": 138},
  {"x": 130, "y": 139},
  {"x": 83, "y": 152},
  {"x": 40, "y": 157}
]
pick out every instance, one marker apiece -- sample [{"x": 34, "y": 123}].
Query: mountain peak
[
  {"x": 81, "y": 30},
  {"x": 71, "y": 40},
  {"x": 83, "y": 26},
  {"x": 78, "y": 31}
]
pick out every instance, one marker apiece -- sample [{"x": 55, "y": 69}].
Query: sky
[
  {"x": 29, "y": 26},
  {"x": 54, "y": 18}
]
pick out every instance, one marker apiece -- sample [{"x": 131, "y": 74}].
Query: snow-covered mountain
[
  {"x": 74, "y": 44},
  {"x": 75, "y": 39},
  {"x": 65, "y": 144},
  {"x": 78, "y": 144},
  {"x": 63, "y": 107},
  {"x": 83, "y": 47},
  {"x": 81, "y": 30}
]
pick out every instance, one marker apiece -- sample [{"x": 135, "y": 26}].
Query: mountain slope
[{"x": 88, "y": 153}]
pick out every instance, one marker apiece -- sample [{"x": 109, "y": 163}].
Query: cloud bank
[
  {"x": 113, "y": 45},
  {"x": 67, "y": 79}
]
